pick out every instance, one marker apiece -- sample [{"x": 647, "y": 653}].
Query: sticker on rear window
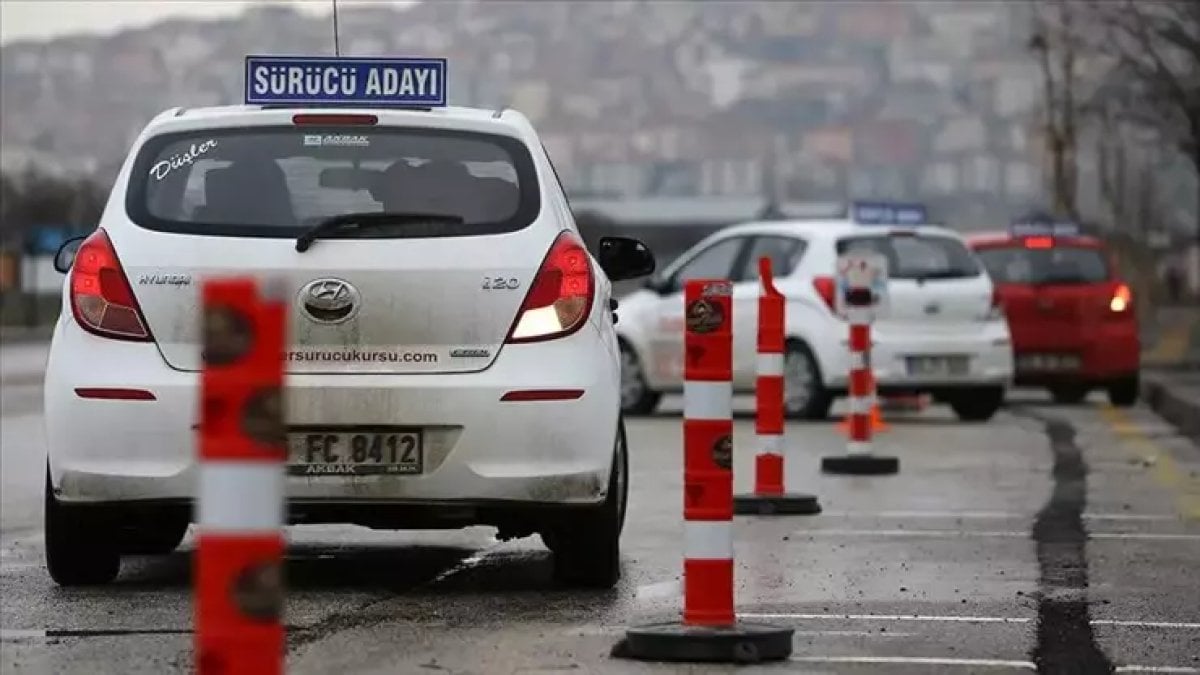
[
  {"x": 338, "y": 140},
  {"x": 162, "y": 169}
]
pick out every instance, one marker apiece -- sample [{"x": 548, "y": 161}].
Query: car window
[
  {"x": 918, "y": 256},
  {"x": 1060, "y": 264},
  {"x": 277, "y": 181},
  {"x": 784, "y": 253},
  {"x": 714, "y": 262}
]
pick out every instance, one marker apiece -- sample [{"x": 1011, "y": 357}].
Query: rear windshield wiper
[{"x": 369, "y": 219}]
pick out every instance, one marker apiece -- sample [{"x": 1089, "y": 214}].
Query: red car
[{"x": 1071, "y": 316}]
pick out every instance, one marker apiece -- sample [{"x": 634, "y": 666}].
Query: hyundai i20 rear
[
  {"x": 1072, "y": 318},
  {"x": 452, "y": 358}
]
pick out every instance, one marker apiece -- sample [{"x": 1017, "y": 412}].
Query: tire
[
  {"x": 637, "y": 398},
  {"x": 1070, "y": 394},
  {"x": 153, "y": 538},
  {"x": 802, "y": 373},
  {"x": 81, "y": 548},
  {"x": 587, "y": 549},
  {"x": 1124, "y": 392},
  {"x": 977, "y": 404}
]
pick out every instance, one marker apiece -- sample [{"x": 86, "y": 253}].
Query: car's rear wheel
[
  {"x": 637, "y": 398},
  {"x": 587, "y": 550},
  {"x": 1124, "y": 392},
  {"x": 804, "y": 394},
  {"x": 1068, "y": 394},
  {"x": 81, "y": 549},
  {"x": 155, "y": 537},
  {"x": 978, "y": 404}
]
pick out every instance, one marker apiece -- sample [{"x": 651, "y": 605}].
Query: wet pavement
[{"x": 1053, "y": 537}]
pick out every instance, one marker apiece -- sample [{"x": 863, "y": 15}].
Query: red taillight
[
  {"x": 334, "y": 120},
  {"x": 826, "y": 288},
  {"x": 101, "y": 298},
  {"x": 1122, "y": 299},
  {"x": 1039, "y": 242},
  {"x": 560, "y": 299}
]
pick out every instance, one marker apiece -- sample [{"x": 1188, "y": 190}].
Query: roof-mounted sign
[
  {"x": 327, "y": 80},
  {"x": 1041, "y": 225},
  {"x": 888, "y": 213}
]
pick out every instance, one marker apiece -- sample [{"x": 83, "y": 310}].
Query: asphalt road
[{"x": 1061, "y": 537}]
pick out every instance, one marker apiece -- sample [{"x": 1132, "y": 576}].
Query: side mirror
[
  {"x": 625, "y": 258},
  {"x": 66, "y": 254}
]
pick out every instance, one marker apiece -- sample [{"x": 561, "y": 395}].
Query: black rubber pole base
[
  {"x": 860, "y": 465},
  {"x": 675, "y": 642},
  {"x": 787, "y": 504}
]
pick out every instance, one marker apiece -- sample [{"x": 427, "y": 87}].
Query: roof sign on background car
[
  {"x": 1041, "y": 225},
  {"x": 887, "y": 213},
  {"x": 325, "y": 80}
]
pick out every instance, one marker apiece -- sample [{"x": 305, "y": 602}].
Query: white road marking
[
  {"x": 890, "y": 617},
  {"x": 917, "y": 660},
  {"x": 9, "y": 634},
  {"x": 1146, "y": 624},
  {"x": 1156, "y": 669},
  {"x": 1119, "y": 623},
  {"x": 851, "y": 633},
  {"x": 998, "y": 515},
  {"x": 1003, "y": 534}
]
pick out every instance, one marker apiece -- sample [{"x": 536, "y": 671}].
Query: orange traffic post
[
  {"x": 859, "y": 459},
  {"x": 240, "y": 503},
  {"x": 769, "y": 496},
  {"x": 709, "y": 630}
]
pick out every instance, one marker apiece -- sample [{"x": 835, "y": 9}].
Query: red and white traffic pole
[
  {"x": 859, "y": 301},
  {"x": 769, "y": 464},
  {"x": 709, "y": 631},
  {"x": 240, "y": 502}
]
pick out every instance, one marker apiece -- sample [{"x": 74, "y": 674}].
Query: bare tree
[
  {"x": 1056, "y": 45},
  {"x": 1154, "y": 78}
]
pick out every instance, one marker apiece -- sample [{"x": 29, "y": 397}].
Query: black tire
[
  {"x": 818, "y": 402},
  {"x": 81, "y": 548},
  {"x": 1068, "y": 394},
  {"x": 156, "y": 537},
  {"x": 587, "y": 547},
  {"x": 1124, "y": 392},
  {"x": 638, "y": 398},
  {"x": 977, "y": 404}
]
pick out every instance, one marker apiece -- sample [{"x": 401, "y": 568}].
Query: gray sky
[{"x": 41, "y": 19}]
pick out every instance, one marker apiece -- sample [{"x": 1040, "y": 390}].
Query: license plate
[
  {"x": 335, "y": 452},
  {"x": 934, "y": 366},
  {"x": 1047, "y": 362}
]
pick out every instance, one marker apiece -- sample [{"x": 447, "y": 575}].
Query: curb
[{"x": 1168, "y": 403}]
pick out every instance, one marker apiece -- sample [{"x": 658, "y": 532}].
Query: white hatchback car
[
  {"x": 943, "y": 332},
  {"x": 443, "y": 296}
]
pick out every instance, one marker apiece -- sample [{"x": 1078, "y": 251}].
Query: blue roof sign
[
  {"x": 887, "y": 213},
  {"x": 1043, "y": 227},
  {"x": 326, "y": 80}
]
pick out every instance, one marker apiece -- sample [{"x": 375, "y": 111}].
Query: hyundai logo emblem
[{"x": 329, "y": 300}]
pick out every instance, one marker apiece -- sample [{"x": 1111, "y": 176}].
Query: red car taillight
[
  {"x": 101, "y": 297},
  {"x": 1122, "y": 299},
  {"x": 826, "y": 288},
  {"x": 560, "y": 299}
]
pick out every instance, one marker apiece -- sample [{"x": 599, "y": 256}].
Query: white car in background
[
  {"x": 453, "y": 359},
  {"x": 943, "y": 332}
]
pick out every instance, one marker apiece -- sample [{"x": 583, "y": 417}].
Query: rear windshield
[
  {"x": 917, "y": 256},
  {"x": 1058, "y": 265},
  {"x": 278, "y": 181}
]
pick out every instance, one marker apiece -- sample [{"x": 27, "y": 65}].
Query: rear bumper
[
  {"x": 988, "y": 351},
  {"x": 1109, "y": 351},
  {"x": 478, "y": 449}
]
